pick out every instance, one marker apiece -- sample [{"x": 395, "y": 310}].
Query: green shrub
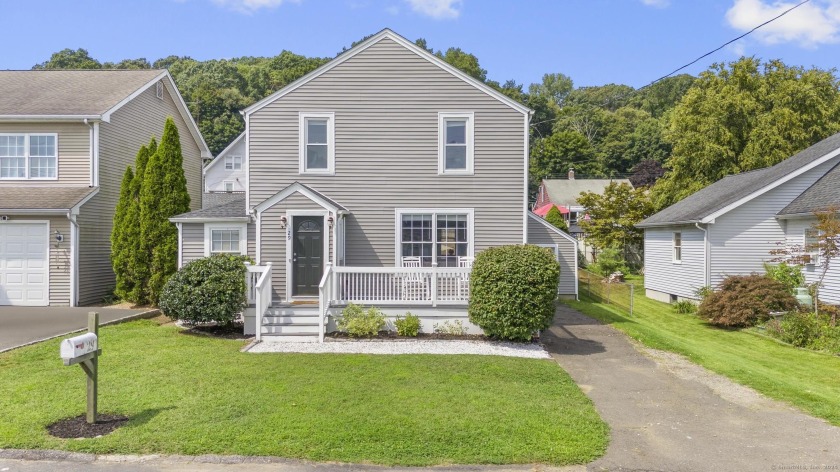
[
  {"x": 455, "y": 328},
  {"x": 684, "y": 307},
  {"x": 208, "y": 289},
  {"x": 703, "y": 292},
  {"x": 789, "y": 275},
  {"x": 408, "y": 326},
  {"x": 556, "y": 218},
  {"x": 358, "y": 322},
  {"x": 512, "y": 291},
  {"x": 829, "y": 339},
  {"x": 800, "y": 329},
  {"x": 608, "y": 262},
  {"x": 745, "y": 300}
]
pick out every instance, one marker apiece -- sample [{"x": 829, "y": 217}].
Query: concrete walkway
[
  {"x": 668, "y": 414},
  {"x": 21, "y": 325}
]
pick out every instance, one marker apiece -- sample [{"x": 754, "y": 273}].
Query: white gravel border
[{"x": 482, "y": 348}]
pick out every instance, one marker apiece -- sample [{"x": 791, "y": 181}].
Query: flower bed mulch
[
  {"x": 233, "y": 331},
  {"x": 393, "y": 336},
  {"x": 78, "y": 427}
]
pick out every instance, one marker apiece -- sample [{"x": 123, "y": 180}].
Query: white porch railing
[
  {"x": 258, "y": 282},
  {"x": 425, "y": 286},
  {"x": 325, "y": 297}
]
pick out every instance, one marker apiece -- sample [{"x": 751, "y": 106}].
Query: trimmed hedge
[
  {"x": 208, "y": 289},
  {"x": 512, "y": 291}
]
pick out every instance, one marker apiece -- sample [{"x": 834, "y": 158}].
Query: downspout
[
  {"x": 90, "y": 149},
  {"x": 707, "y": 279},
  {"x": 74, "y": 258},
  {"x": 180, "y": 245}
]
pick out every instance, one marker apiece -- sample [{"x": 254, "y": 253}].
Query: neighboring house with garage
[
  {"x": 730, "y": 227},
  {"x": 375, "y": 180},
  {"x": 226, "y": 172},
  {"x": 66, "y": 138}
]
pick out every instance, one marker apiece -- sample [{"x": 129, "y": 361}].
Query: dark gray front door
[{"x": 307, "y": 255}]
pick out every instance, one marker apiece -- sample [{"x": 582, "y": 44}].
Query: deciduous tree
[{"x": 613, "y": 215}]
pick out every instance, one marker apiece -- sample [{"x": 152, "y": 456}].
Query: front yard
[
  {"x": 194, "y": 395},
  {"x": 806, "y": 379}
]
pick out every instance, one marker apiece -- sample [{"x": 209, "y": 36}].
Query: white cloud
[
  {"x": 437, "y": 9},
  {"x": 657, "y": 3},
  {"x": 250, "y": 6},
  {"x": 738, "y": 48},
  {"x": 812, "y": 24}
]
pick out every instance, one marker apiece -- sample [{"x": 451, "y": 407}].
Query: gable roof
[
  {"x": 387, "y": 33},
  {"x": 822, "y": 195},
  {"x": 566, "y": 191},
  {"x": 734, "y": 190},
  {"x": 83, "y": 95},
  {"x": 220, "y": 156},
  {"x": 233, "y": 210},
  {"x": 307, "y": 192},
  {"x": 552, "y": 227}
]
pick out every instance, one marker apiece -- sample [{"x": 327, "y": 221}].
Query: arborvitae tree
[
  {"x": 137, "y": 264},
  {"x": 556, "y": 218},
  {"x": 120, "y": 261},
  {"x": 163, "y": 195}
]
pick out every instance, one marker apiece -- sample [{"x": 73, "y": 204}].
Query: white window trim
[
  {"x": 814, "y": 254},
  {"x": 399, "y": 212},
  {"x": 26, "y": 155},
  {"x": 232, "y": 161},
  {"x": 674, "y": 247},
  {"x": 232, "y": 185},
  {"x": 470, "y": 135},
  {"x": 330, "y": 117},
  {"x": 243, "y": 236}
]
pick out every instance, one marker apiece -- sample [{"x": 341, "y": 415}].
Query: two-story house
[
  {"x": 66, "y": 138},
  {"x": 375, "y": 179},
  {"x": 226, "y": 172}
]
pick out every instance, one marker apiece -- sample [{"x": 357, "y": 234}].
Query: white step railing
[
  {"x": 429, "y": 286},
  {"x": 325, "y": 291},
  {"x": 258, "y": 282}
]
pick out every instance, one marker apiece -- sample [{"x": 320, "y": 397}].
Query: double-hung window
[
  {"x": 317, "y": 143},
  {"x": 455, "y": 135},
  {"x": 677, "y": 247},
  {"x": 233, "y": 162},
  {"x": 812, "y": 246},
  {"x": 28, "y": 156},
  {"x": 442, "y": 236},
  {"x": 224, "y": 239}
]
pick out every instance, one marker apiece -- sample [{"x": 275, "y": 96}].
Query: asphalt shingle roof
[
  {"x": 732, "y": 188},
  {"x": 42, "y": 198},
  {"x": 233, "y": 209},
  {"x": 566, "y": 191},
  {"x": 825, "y": 193},
  {"x": 68, "y": 92},
  {"x": 214, "y": 199}
]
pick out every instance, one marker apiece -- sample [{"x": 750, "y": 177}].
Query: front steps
[{"x": 290, "y": 323}]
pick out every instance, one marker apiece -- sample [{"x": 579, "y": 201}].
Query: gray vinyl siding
[
  {"x": 662, "y": 273},
  {"x": 131, "y": 126},
  {"x": 795, "y": 236},
  {"x": 192, "y": 242},
  {"x": 274, "y": 239},
  {"x": 73, "y": 151},
  {"x": 741, "y": 240},
  {"x": 216, "y": 175},
  {"x": 539, "y": 234},
  {"x": 59, "y": 263},
  {"x": 386, "y": 102}
]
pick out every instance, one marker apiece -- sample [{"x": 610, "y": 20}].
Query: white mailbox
[{"x": 78, "y": 346}]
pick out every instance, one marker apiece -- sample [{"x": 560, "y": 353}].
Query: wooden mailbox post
[{"x": 84, "y": 350}]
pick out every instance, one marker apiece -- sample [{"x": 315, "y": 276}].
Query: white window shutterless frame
[
  {"x": 456, "y": 142},
  {"x": 317, "y": 143},
  {"x": 28, "y": 156}
]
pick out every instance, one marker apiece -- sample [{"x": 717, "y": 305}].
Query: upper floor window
[
  {"x": 455, "y": 135},
  {"x": 28, "y": 156},
  {"x": 317, "y": 143},
  {"x": 233, "y": 162}
]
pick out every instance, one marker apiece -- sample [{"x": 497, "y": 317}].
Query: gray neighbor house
[
  {"x": 66, "y": 138},
  {"x": 730, "y": 227},
  {"x": 375, "y": 180}
]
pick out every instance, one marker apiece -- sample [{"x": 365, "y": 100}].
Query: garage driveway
[{"x": 20, "y": 325}]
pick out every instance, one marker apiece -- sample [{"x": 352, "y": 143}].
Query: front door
[{"x": 307, "y": 254}]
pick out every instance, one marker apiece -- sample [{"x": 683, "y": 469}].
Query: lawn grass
[
  {"x": 806, "y": 379},
  {"x": 196, "y": 395}
]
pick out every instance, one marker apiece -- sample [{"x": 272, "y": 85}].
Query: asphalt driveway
[{"x": 24, "y": 325}]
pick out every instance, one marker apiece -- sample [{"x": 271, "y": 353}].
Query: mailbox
[{"x": 78, "y": 346}]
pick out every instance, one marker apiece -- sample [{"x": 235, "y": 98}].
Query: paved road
[
  {"x": 23, "y": 325},
  {"x": 667, "y": 414}
]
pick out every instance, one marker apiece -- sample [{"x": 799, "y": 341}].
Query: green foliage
[
  {"x": 554, "y": 87},
  {"x": 120, "y": 246},
  {"x": 358, "y": 322},
  {"x": 512, "y": 291},
  {"x": 684, "y": 307},
  {"x": 745, "y": 300},
  {"x": 614, "y": 214},
  {"x": 800, "y": 328},
  {"x": 555, "y": 155},
  {"x": 450, "y": 327},
  {"x": 163, "y": 195},
  {"x": 556, "y": 218},
  {"x": 788, "y": 275},
  {"x": 70, "y": 59},
  {"x": 609, "y": 261},
  {"x": 743, "y": 116},
  {"x": 208, "y": 289},
  {"x": 408, "y": 326}
]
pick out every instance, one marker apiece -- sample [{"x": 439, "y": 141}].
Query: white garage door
[{"x": 23, "y": 264}]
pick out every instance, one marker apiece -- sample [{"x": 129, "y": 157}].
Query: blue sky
[{"x": 593, "y": 41}]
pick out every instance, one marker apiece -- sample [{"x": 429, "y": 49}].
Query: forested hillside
[{"x": 734, "y": 117}]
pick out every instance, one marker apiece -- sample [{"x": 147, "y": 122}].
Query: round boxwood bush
[
  {"x": 208, "y": 289},
  {"x": 744, "y": 300},
  {"x": 512, "y": 291}
]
